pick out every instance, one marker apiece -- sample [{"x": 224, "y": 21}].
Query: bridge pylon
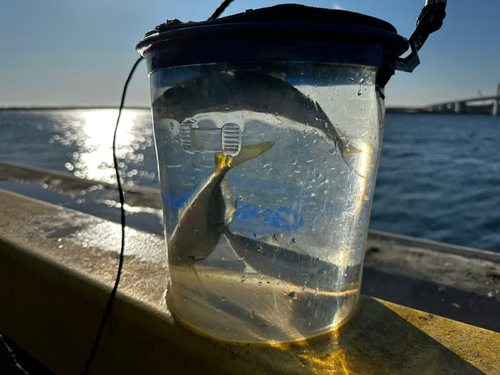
[
  {"x": 459, "y": 107},
  {"x": 496, "y": 104}
]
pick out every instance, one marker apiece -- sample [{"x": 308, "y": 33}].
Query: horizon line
[
  {"x": 64, "y": 107},
  {"x": 70, "y": 107}
]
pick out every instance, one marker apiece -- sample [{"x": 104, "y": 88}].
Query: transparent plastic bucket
[{"x": 267, "y": 174}]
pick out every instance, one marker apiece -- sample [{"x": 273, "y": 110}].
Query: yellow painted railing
[{"x": 56, "y": 271}]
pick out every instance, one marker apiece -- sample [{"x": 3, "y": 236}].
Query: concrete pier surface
[{"x": 57, "y": 268}]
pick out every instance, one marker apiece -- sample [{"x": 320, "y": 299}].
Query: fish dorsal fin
[
  {"x": 229, "y": 204},
  {"x": 249, "y": 152}
]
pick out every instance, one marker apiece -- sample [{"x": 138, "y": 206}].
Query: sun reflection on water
[{"x": 89, "y": 133}]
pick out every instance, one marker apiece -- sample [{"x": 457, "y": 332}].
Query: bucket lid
[{"x": 288, "y": 32}]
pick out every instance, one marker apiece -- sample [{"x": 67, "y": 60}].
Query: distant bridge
[{"x": 463, "y": 106}]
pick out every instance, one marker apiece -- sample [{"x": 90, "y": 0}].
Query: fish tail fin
[
  {"x": 246, "y": 153},
  {"x": 229, "y": 204},
  {"x": 249, "y": 152},
  {"x": 349, "y": 150}
]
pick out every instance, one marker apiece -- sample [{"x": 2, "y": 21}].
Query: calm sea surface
[{"x": 439, "y": 175}]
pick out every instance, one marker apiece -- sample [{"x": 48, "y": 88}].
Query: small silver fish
[
  {"x": 202, "y": 218},
  {"x": 248, "y": 90},
  {"x": 294, "y": 266}
]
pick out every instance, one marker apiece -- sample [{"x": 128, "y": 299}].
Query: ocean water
[
  {"x": 439, "y": 175},
  {"x": 439, "y": 178}
]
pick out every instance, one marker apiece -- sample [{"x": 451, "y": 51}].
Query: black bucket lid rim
[
  {"x": 287, "y": 13},
  {"x": 280, "y": 17}
]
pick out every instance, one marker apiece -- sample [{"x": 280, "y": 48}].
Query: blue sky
[{"x": 79, "y": 52}]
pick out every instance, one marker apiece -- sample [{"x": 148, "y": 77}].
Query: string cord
[
  {"x": 220, "y": 9},
  {"x": 109, "y": 305},
  {"x": 122, "y": 216}
]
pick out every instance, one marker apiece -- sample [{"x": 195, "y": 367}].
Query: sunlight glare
[{"x": 96, "y": 154}]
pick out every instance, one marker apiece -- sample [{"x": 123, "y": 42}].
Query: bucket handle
[{"x": 430, "y": 19}]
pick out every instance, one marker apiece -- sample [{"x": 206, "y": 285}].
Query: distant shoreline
[
  {"x": 477, "y": 110},
  {"x": 67, "y": 108},
  {"x": 404, "y": 110},
  {"x": 389, "y": 109}
]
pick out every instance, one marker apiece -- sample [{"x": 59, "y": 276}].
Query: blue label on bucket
[{"x": 282, "y": 218}]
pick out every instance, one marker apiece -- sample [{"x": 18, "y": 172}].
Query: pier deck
[{"x": 57, "y": 267}]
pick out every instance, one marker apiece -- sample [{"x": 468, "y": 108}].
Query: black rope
[
  {"x": 220, "y": 9},
  {"x": 107, "y": 310},
  {"x": 122, "y": 213},
  {"x": 430, "y": 20},
  {"x": 8, "y": 361}
]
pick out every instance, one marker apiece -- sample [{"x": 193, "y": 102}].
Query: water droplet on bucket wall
[
  {"x": 252, "y": 315},
  {"x": 292, "y": 295},
  {"x": 360, "y": 91},
  {"x": 243, "y": 277}
]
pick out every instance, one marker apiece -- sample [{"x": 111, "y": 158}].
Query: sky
[{"x": 79, "y": 52}]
